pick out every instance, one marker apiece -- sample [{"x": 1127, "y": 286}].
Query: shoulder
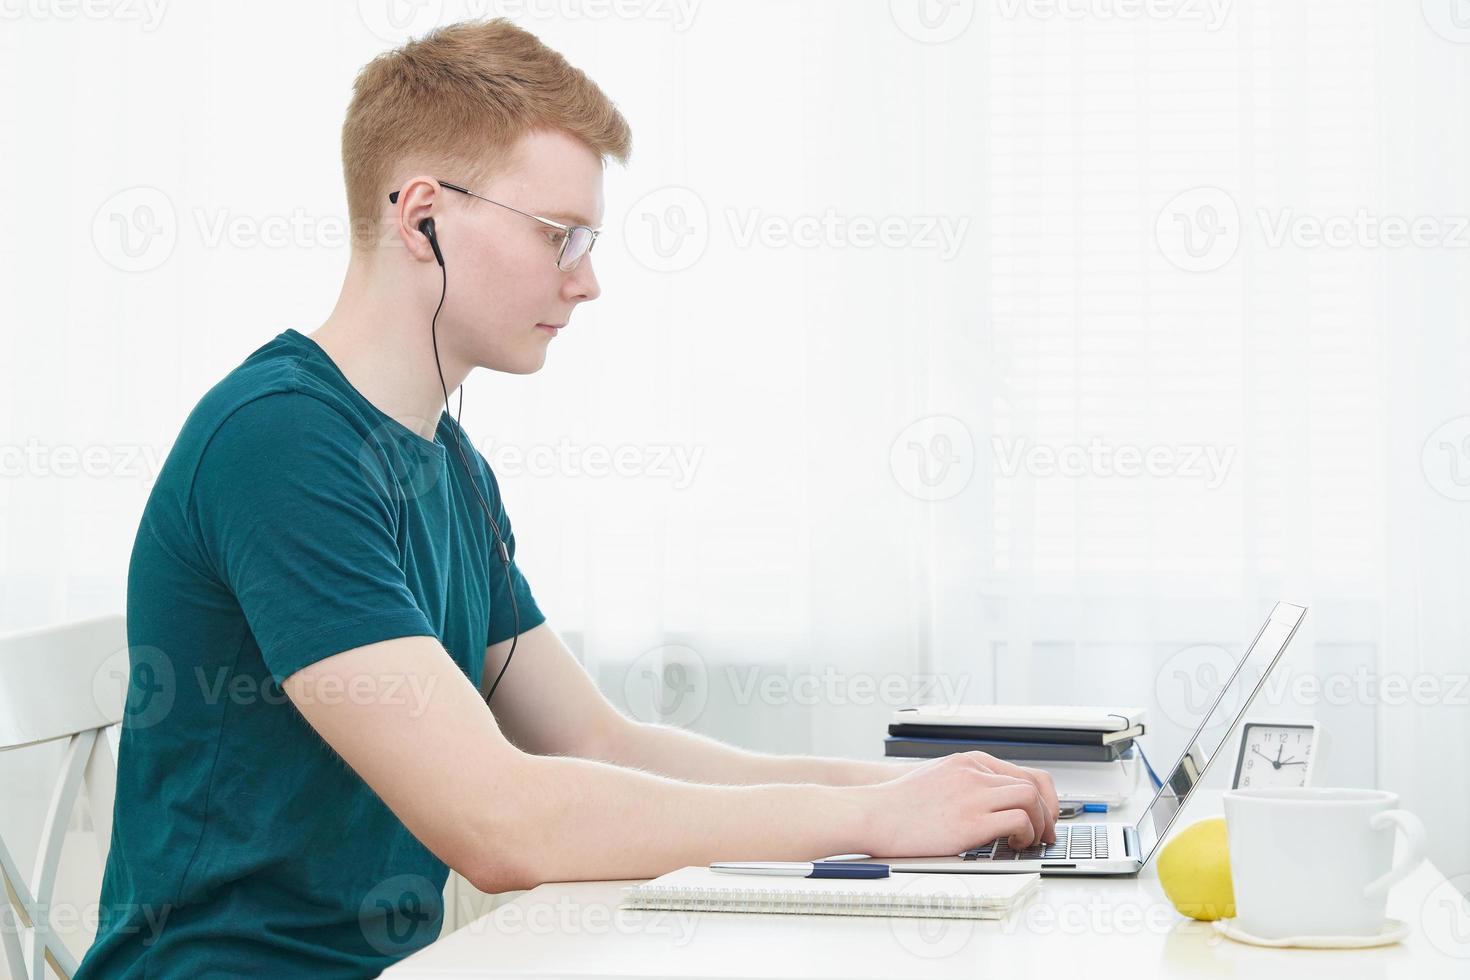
[
  {"x": 277, "y": 425},
  {"x": 273, "y": 393},
  {"x": 271, "y": 401}
]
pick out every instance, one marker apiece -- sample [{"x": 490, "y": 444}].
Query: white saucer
[{"x": 1393, "y": 930}]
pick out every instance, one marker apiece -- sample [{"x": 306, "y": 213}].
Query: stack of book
[{"x": 1088, "y": 750}]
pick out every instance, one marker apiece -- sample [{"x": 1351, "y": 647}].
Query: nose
[{"x": 580, "y": 284}]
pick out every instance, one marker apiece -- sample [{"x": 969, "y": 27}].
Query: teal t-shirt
[{"x": 291, "y": 521}]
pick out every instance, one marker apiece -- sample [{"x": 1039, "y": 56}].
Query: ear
[{"x": 413, "y": 205}]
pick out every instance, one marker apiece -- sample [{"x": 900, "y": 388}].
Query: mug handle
[{"x": 1413, "y": 832}]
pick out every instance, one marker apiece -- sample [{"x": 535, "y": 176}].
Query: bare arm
[
  {"x": 547, "y": 704},
  {"x": 683, "y": 754},
  {"x": 507, "y": 820},
  {"x": 686, "y": 755}
]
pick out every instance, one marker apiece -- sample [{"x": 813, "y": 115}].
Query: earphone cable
[{"x": 469, "y": 473}]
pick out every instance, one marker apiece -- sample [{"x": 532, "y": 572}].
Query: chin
[{"x": 528, "y": 362}]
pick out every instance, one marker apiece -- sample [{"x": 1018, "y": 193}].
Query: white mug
[{"x": 1313, "y": 861}]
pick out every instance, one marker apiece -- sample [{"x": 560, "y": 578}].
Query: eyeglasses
[{"x": 576, "y": 240}]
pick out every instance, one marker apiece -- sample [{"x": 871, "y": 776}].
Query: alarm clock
[{"x": 1276, "y": 754}]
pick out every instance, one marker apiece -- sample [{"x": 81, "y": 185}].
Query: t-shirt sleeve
[
  {"x": 301, "y": 532},
  {"x": 503, "y": 623}
]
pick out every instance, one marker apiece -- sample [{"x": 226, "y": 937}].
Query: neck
[{"x": 378, "y": 336}]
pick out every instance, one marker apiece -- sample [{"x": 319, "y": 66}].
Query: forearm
[
  {"x": 566, "y": 819},
  {"x": 688, "y": 755}
]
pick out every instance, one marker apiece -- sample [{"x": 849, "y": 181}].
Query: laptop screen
[{"x": 1225, "y": 712}]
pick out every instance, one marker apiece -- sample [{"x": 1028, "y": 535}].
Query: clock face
[{"x": 1275, "y": 755}]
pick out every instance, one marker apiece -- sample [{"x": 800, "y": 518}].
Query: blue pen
[{"x": 802, "y": 869}]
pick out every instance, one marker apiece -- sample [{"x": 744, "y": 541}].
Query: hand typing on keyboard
[
  {"x": 1083, "y": 841},
  {"x": 946, "y": 805}
]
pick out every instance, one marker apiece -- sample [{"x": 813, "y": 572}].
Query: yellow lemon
[{"x": 1194, "y": 870}]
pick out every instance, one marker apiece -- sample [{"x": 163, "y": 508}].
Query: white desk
[{"x": 1074, "y": 927}]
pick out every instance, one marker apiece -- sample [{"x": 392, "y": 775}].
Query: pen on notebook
[{"x": 802, "y": 869}]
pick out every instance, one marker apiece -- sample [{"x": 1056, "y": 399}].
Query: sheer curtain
[
  {"x": 1178, "y": 364},
  {"x": 976, "y": 352}
]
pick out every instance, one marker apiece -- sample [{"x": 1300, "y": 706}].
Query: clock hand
[
  {"x": 1279, "y": 749},
  {"x": 1264, "y": 756},
  {"x": 1294, "y": 763}
]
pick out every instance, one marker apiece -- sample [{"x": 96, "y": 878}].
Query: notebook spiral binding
[{"x": 811, "y": 902}]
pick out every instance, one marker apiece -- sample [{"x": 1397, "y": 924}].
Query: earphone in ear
[{"x": 426, "y": 227}]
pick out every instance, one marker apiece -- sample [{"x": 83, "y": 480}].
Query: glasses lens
[{"x": 578, "y": 243}]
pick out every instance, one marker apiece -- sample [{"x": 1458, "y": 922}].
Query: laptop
[{"x": 1122, "y": 848}]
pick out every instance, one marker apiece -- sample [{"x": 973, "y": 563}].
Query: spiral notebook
[{"x": 943, "y": 896}]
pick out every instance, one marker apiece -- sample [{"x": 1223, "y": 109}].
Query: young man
[{"x": 318, "y": 606}]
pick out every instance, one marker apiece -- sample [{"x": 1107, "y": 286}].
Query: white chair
[{"x": 64, "y": 682}]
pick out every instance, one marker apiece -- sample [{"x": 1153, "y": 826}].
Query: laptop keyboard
[{"x": 1083, "y": 841}]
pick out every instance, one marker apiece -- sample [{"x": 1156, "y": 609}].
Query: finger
[
  {"x": 1014, "y": 824},
  {"x": 1049, "y": 798},
  {"x": 1043, "y": 782},
  {"x": 1022, "y": 795},
  {"x": 1028, "y": 797},
  {"x": 1037, "y": 777},
  {"x": 1036, "y": 806}
]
